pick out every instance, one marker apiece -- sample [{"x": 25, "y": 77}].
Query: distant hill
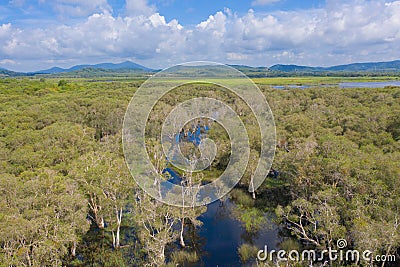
[
  {"x": 101, "y": 73},
  {"x": 127, "y": 65},
  {"x": 391, "y": 66},
  {"x": 51, "y": 71},
  {"x": 253, "y": 72},
  {"x": 293, "y": 68},
  {"x": 9, "y": 73},
  {"x": 369, "y": 66}
]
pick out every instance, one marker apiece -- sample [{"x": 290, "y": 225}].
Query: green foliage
[
  {"x": 62, "y": 83},
  {"x": 61, "y": 163},
  {"x": 242, "y": 198},
  {"x": 182, "y": 257},
  {"x": 42, "y": 213},
  {"x": 338, "y": 151},
  {"x": 47, "y": 140},
  {"x": 252, "y": 219},
  {"x": 247, "y": 252}
]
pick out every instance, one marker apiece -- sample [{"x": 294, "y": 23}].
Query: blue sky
[
  {"x": 193, "y": 12},
  {"x": 187, "y": 12},
  {"x": 39, "y": 34}
]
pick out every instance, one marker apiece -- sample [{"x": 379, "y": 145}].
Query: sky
[{"x": 39, "y": 34}]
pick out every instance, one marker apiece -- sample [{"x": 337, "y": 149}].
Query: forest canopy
[{"x": 68, "y": 197}]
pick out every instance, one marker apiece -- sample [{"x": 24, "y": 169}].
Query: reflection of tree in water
[
  {"x": 194, "y": 244},
  {"x": 257, "y": 214},
  {"x": 194, "y": 132},
  {"x": 95, "y": 249},
  {"x": 248, "y": 237}
]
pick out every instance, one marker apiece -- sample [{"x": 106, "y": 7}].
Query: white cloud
[
  {"x": 210, "y": 32},
  {"x": 17, "y": 3},
  {"x": 77, "y": 8},
  {"x": 5, "y": 29},
  {"x": 139, "y": 7},
  {"x": 339, "y": 33},
  {"x": 263, "y": 2},
  {"x": 7, "y": 62},
  {"x": 236, "y": 56}
]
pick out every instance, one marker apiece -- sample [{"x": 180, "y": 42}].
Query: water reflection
[
  {"x": 342, "y": 85},
  {"x": 221, "y": 235},
  {"x": 369, "y": 84}
]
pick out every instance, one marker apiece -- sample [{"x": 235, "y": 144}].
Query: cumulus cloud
[
  {"x": 139, "y": 7},
  {"x": 339, "y": 33}
]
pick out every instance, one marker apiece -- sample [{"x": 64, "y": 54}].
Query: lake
[
  {"x": 343, "y": 85},
  {"x": 368, "y": 84}
]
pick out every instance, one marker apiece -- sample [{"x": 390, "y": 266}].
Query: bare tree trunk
[
  {"x": 116, "y": 237},
  {"x": 100, "y": 222},
  {"x": 182, "y": 241},
  {"x": 252, "y": 187},
  {"x": 159, "y": 189},
  {"x": 29, "y": 259},
  {"x": 387, "y": 254},
  {"x": 95, "y": 209},
  {"x": 73, "y": 249},
  {"x": 117, "y": 243},
  {"x": 162, "y": 255},
  {"x": 113, "y": 238}
]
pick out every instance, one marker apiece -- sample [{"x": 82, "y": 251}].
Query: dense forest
[{"x": 68, "y": 198}]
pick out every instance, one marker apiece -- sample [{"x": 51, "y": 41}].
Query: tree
[
  {"x": 43, "y": 215},
  {"x": 157, "y": 221}
]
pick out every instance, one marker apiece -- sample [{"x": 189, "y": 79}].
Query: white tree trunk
[
  {"x": 73, "y": 249},
  {"x": 100, "y": 222},
  {"x": 28, "y": 257},
  {"x": 182, "y": 241},
  {"x": 116, "y": 237},
  {"x": 252, "y": 187}
]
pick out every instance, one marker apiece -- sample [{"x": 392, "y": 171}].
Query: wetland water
[
  {"x": 222, "y": 235},
  {"x": 218, "y": 239},
  {"x": 343, "y": 85},
  {"x": 368, "y": 84}
]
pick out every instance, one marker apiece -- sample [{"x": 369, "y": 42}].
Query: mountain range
[
  {"x": 354, "y": 67},
  {"x": 128, "y": 66}
]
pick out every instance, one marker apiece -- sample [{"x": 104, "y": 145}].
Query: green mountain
[
  {"x": 127, "y": 65},
  {"x": 9, "y": 73},
  {"x": 391, "y": 66}
]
